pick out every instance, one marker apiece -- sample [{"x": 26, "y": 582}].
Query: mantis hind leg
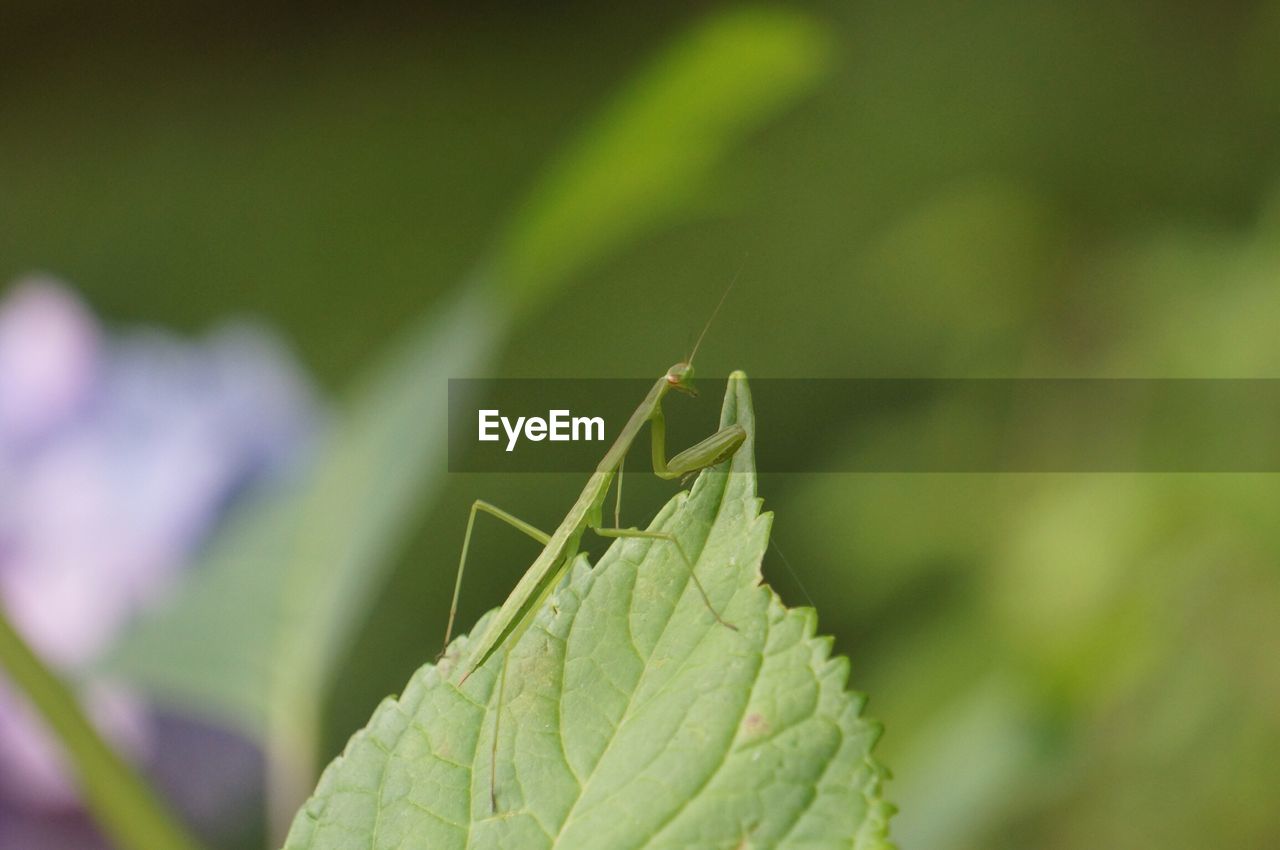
[
  {"x": 518, "y": 524},
  {"x": 670, "y": 538},
  {"x": 493, "y": 750},
  {"x": 512, "y": 641}
]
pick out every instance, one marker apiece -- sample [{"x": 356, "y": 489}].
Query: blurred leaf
[
  {"x": 250, "y": 638},
  {"x": 123, "y": 805},
  {"x": 654, "y": 149},
  {"x": 986, "y": 736},
  {"x": 630, "y": 717}
]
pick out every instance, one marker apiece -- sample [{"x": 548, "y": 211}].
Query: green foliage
[
  {"x": 963, "y": 196},
  {"x": 631, "y": 717}
]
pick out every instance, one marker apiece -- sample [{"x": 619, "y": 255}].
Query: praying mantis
[{"x": 560, "y": 547}]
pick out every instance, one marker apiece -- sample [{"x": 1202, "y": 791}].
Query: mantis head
[{"x": 680, "y": 377}]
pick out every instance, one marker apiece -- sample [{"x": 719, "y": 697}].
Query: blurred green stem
[{"x": 121, "y": 802}]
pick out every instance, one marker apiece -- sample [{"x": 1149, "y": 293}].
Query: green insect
[{"x": 561, "y": 546}]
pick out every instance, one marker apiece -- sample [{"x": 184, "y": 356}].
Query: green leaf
[{"x": 631, "y": 718}]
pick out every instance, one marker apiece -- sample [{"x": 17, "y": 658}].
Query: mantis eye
[
  {"x": 680, "y": 377},
  {"x": 681, "y": 373}
]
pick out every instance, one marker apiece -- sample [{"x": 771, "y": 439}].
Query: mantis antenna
[{"x": 714, "y": 313}]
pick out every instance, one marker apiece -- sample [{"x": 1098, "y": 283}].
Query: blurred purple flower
[{"x": 118, "y": 456}]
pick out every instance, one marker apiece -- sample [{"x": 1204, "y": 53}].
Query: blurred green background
[{"x": 997, "y": 189}]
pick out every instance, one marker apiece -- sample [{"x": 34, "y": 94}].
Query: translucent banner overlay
[{"x": 886, "y": 425}]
